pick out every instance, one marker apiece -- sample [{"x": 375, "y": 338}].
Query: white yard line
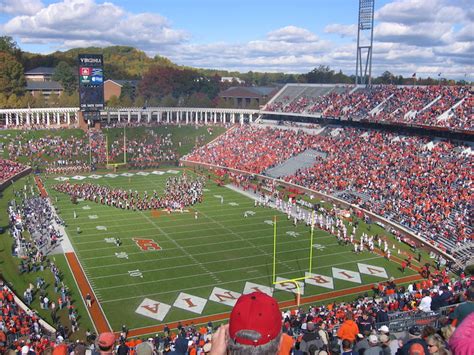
[
  {"x": 133, "y": 246},
  {"x": 210, "y": 285},
  {"x": 207, "y": 271},
  {"x": 164, "y": 260}
]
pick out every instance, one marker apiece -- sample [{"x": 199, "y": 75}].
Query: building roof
[
  {"x": 42, "y": 85},
  {"x": 40, "y": 71},
  {"x": 123, "y": 82},
  {"x": 248, "y": 91}
]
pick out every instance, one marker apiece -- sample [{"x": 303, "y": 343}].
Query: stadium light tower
[{"x": 365, "y": 38}]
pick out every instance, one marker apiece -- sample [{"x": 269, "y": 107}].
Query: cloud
[
  {"x": 81, "y": 21},
  {"x": 20, "y": 7},
  {"x": 409, "y": 35},
  {"x": 292, "y": 34},
  {"x": 423, "y": 34},
  {"x": 342, "y": 30}
]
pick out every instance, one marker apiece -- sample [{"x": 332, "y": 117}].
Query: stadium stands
[
  {"x": 58, "y": 154},
  {"x": 8, "y": 169},
  {"x": 426, "y": 308},
  {"x": 419, "y": 183},
  {"x": 430, "y": 106}
]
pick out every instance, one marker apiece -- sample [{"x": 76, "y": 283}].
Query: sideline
[
  {"x": 95, "y": 311},
  {"x": 96, "y": 314}
]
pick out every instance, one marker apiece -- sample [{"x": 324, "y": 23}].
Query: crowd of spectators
[
  {"x": 363, "y": 326},
  {"x": 9, "y": 169},
  {"x": 34, "y": 228},
  {"x": 58, "y": 154},
  {"x": 420, "y": 105},
  {"x": 36, "y": 217},
  {"x": 420, "y": 184}
]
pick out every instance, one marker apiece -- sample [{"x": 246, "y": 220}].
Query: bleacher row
[
  {"x": 9, "y": 169},
  {"x": 433, "y": 106}
]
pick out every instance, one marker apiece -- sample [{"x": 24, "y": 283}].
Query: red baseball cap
[
  {"x": 106, "y": 340},
  {"x": 256, "y": 312}
]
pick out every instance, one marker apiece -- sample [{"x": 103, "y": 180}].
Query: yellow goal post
[{"x": 310, "y": 267}]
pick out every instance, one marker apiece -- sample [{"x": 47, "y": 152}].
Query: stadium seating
[
  {"x": 388, "y": 309},
  {"x": 436, "y": 106},
  {"x": 420, "y": 184},
  {"x": 8, "y": 169}
]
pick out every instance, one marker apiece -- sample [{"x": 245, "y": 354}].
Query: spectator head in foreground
[
  {"x": 255, "y": 327},
  {"x": 461, "y": 340},
  {"x": 106, "y": 342},
  {"x": 436, "y": 345}
]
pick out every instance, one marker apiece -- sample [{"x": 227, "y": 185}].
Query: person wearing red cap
[
  {"x": 105, "y": 343},
  {"x": 255, "y": 326}
]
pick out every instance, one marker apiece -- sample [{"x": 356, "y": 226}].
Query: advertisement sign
[{"x": 91, "y": 82}]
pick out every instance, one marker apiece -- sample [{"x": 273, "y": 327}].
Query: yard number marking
[
  {"x": 122, "y": 255},
  {"x": 318, "y": 247},
  {"x": 146, "y": 244},
  {"x": 135, "y": 273}
]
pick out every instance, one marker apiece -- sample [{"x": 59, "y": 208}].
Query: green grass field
[{"x": 220, "y": 248}]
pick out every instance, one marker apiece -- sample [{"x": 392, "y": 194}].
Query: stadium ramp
[{"x": 303, "y": 160}]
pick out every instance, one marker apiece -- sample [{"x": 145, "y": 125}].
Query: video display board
[{"x": 91, "y": 82}]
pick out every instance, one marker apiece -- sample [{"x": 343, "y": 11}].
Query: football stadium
[{"x": 148, "y": 207}]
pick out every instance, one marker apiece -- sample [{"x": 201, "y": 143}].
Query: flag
[
  {"x": 414, "y": 75},
  {"x": 439, "y": 74}
]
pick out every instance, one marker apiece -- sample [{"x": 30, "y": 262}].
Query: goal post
[
  {"x": 115, "y": 165},
  {"x": 310, "y": 266}
]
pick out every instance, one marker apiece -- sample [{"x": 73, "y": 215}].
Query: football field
[{"x": 174, "y": 266}]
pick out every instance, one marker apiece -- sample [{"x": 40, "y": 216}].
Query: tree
[
  {"x": 12, "y": 80},
  {"x": 321, "y": 74},
  {"x": 53, "y": 100},
  {"x": 198, "y": 99},
  {"x": 13, "y": 101},
  {"x": 63, "y": 73},
  {"x": 68, "y": 100},
  {"x": 40, "y": 100},
  {"x": 3, "y": 100},
  {"x": 169, "y": 101},
  {"x": 28, "y": 100},
  {"x": 139, "y": 101},
  {"x": 113, "y": 101},
  {"x": 127, "y": 91},
  {"x": 385, "y": 78},
  {"x": 8, "y": 44}
]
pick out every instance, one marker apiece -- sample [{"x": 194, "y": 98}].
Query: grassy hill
[{"x": 121, "y": 62}]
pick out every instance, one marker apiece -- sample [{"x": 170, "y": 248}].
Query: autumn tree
[
  {"x": 53, "y": 100},
  {"x": 12, "y": 80},
  {"x": 8, "y": 44},
  {"x": 40, "y": 100}
]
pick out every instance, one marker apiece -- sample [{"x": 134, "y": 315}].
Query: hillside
[{"x": 121, "y": 62}]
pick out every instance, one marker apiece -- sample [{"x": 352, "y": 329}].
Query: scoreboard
[{"x": 91, "y": 82}]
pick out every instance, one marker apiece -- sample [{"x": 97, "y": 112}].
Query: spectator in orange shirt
[{"x": 348, "y": 329}]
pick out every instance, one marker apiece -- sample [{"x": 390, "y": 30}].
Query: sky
[{"x": 293, "y": 36}]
